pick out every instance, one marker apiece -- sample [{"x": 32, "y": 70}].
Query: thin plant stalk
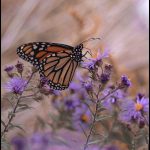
[{"x": 14, "y": 109}]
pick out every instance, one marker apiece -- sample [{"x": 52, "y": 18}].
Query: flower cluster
[
  {"x": 16, "y": 85},
  {"x": 85, "y": 106},
  {"x": 135, "y": 111}
]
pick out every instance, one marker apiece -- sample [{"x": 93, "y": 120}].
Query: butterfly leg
[{"x": 87, "y": 52}]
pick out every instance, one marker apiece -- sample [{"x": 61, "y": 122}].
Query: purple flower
[
  {"x": 125, "y": 82},
  {"x": 72, "y": 102},
  {"x": 16, "y": 85},
  {"x": 103, "y": 55},
  {"x": 19, "y": 143},
  {"x": 87, "y": 85},
  {"x": 113, "y": 99},
  {"x": 74, "y": 86},
  {"x": 9, "y": 70},
  {"x": 104, "y": 78},
  {"x": 19, "y": 67},
  {"x": 110, "y": 147},
  {"x": 43, "y": 81},
  {"x": 108, "y": 68},
  {"x": 38, "y": 142},
  {"x": 136, "y": 111},
  {"x": 91, "y": 64},
  {"x": 81, "y": 117}
]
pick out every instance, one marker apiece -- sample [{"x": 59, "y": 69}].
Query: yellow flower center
[
  {"x": 84, "y": 118},
  {"x": 138, "y": 106}
]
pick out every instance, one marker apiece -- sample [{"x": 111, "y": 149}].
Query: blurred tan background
[{"x": 122, "y": 25}]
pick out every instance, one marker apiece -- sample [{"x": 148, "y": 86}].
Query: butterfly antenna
[{"x": 90, "y": 39}]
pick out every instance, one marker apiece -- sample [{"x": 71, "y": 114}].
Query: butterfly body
[{"x": 57, "y": 62}]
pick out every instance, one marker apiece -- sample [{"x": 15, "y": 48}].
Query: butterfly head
[{"x": 77, "y": 52}]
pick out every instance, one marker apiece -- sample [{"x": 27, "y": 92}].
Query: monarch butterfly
[{"x": 57, "y": 62}]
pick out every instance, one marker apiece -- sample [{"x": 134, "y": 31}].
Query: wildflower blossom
[
  {"x": 16, "y": 85},
  {"x": 104, "y": 78},
  {"x": 135, "y": 110},
  {"x": 74, "y": 87},
  {"x": 71, "y": 102},
  {"x": 93, "y": 62},
  {"x": 19, "y": 67},
  {"x": 87, "y": 85},
  {"x": 85, "y": 82},
  {"x": 19, "y": 143},
  {"x": 9, "y": 70},
  {"x": 125, "y": 82},
  {"x": 81, "y": 117},
  {"x": 89, "y": 65},
  {"x": 101, "y": 56},
  {"x": 38, "y": 142},
  {"x": 113, "y": 99},
  {"x": 43, "y": 81}
]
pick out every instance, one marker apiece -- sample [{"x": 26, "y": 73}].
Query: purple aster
[
  {"x": 43, "y": 81},
  {"x": 135, "y": 110},
  {"x": 113, "y": 99},
  {"x": 81, "y": 117},
  {"x": 103, "y": 55},
  {"x": 87, "y": 85},
  {"x": 108, "y": 68},
  {"x": 9, "y": 70},
  {"x": 19, "y": 67},
  {"x": 19, "y": 143},
  {"x": 110, "y": 147},
  {"x": 91, "y": 64},
  {"x": 72, "y": 102},
  {"x": 16, "y": 85},
  {"x": 38, "y": 142},
  {"x": 125, "y": 82},
  {"x": 74, "y": 86},
  {"x": 104, "y": 78}
]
